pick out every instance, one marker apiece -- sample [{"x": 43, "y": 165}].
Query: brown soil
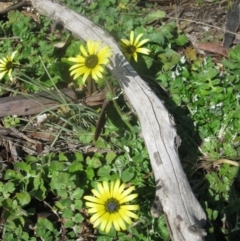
[{"x": 202, "y": 22}]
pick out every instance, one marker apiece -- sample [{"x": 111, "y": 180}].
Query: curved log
[
  {"x": 184, "y": 215},
  {"x": 27, "y": 104}
]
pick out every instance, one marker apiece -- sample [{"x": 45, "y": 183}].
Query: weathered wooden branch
[
  {"x": 23, "y": 105},
  {"x": 184, "y": 214},
  {"x": 31, "y": 104}
]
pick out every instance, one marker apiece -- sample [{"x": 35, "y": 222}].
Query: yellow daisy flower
[
  {"x": 6, "y": 65},
  {"x": 91, "y": 61},
  {"x": 131, "y": 47},
  {"x": 109, "y": 206}
]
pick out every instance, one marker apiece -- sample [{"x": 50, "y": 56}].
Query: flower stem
[{"x": 119, "y": 111}]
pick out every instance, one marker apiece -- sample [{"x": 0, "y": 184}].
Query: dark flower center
[
  {"x": 112, "y": 205},
  {"x": 9, "y": 65},
  {"x": 131, "y": 49},
  {"x": 91, "y": 61}
]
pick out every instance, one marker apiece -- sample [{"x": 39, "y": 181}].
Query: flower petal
[
  {"x": 130, "y": 207},
  {"x": 96, "y": 218},
  {"x": 106, "y": 189},
  {"x": 96, "y": 193},
  {"x": 87, "y": 73},
  {"x": 13, "y": 55},
  {"x": 10, "y": 74},
  {"x": 142, "y": 42},
  {"x": 126, "y": 42},
  {"x": 135, "y": 56},
  {"x": 143, "y": 50},
  {"x": 90, "y": 47},
  {"x": 2, "y": 74},
  {"x": 78, "y": 59},
  {"x": 96, "y": 209},
  {"x": 84, "y": 52},
  {"x": 132, "y": 38},
  {"x": 128, "y": 213},
  {"x": 128, "y": 198},
  {"x": 105, "y": 218},
  {"x": 96, "y": 47},
  {"x": 137, "y": 39},
  {"x": 121, "y": 222},
  {"x": 115, "y": 217},
  {"x": 93, "y": 199},
  {"x": 76, "y": 66},
  {"x": 115, "y": 190},
  {"x": 126, "y": 192},
  {"x": 96, "y": 75}
]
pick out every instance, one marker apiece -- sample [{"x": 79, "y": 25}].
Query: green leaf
[
  {"x": 229, "y": 150},
  {"x": 205, "y": 92},
  {"x": 87, "y": 136},
  {"x": 209, "y": 74},
  {"x": 69, "y": 223},
  {"x": 204, "y": 86},
  {"x": 181, "y": 40},
  {"x": 93, "y": 5},
  {"x": 212, "y": 214},
  {"x": 148, "y": 61},
  {"x": 157, "y": 37},
  {"x": 104, "y": 238},
  {"x": 163, "y": 79},
  {"x": 42, "y": 226},
  {"x": 23, "y": 166},
  {"x": 90, "y": 173},
  {"x": 167, "y": 31},
  {"x": 169, "y": 59},
  {"x": 78, "y": 204},
  {"x": 31, "y": 159},
  {"x": 67, "y": 213},
  {"x": 162, "y": 228},
  {"x": 60, "y": 180},
  {"x": 77, "y": 194},
  {"x": 39, "y": 191},
  {"x": 104, "y": 171},
  {"x": 79, "y": 156},
  {"x": 63, "y": 203},
  {"x": 8, "y": 187},
  {"x": 78, "y": 218},
  {"x": 234, "y": 54},
  {"x": 110, "y": 157},
  {"x": 218, "y": 89},
  {"x": 75, "y": 167},
  {"x": 101, "y": 143},
  {"x": 56, "y": 166},
  {"x": 36, "y": 182},
  {"x": 228, "y": 64},
  {"x": 8, "y": 204},
  {"x": 153, "y": 16},
  {"x": 215, "y": 81},
  {"x": 93, "y": 162},
  {"x": 127, "y": 175},
  {"x": 62, "y": 157},
  {"x": 24, "y": 198},
  {"x": 11, "y": 174}
]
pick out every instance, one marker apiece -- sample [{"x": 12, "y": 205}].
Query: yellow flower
[
  {"x": 131, "y": 47},
  {"x": 109, "y": 206},
  {"x": 91, "y": 61},
  {"x": 6, "y": 65},
  {"x": 122, "y": 6}
]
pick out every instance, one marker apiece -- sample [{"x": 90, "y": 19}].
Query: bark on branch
[{"x": 184, "y": 214}]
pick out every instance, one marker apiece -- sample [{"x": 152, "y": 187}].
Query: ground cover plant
[{"x": 49, "y": 195}]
